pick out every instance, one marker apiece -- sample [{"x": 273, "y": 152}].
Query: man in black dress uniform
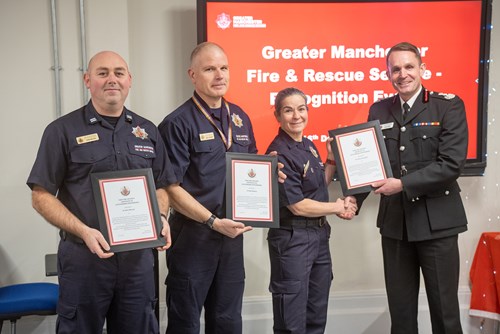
[{"x": 421, "y": 212}]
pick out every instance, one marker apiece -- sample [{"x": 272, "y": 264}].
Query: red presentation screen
[{"x": 335, "y": 53}]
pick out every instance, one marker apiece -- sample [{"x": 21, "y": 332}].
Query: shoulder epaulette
[{"x": 442, "y": 96}]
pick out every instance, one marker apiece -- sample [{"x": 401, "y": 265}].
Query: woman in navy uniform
[
  {"x": 301, "y": 266},
  {"x": 421, "y": 212}
]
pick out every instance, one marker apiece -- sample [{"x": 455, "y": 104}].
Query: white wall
[{"x": 156, "y": 38}]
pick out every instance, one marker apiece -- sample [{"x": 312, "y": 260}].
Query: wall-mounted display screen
[{"x": 335, "y": 52}]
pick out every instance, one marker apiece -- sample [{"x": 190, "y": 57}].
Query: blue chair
[{"x": 19, "y": 300}]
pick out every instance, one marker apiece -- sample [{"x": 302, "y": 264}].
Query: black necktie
[{"x": 406, "y": 108}]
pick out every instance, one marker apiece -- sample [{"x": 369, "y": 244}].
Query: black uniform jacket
[{"x": 427, "y": 151}]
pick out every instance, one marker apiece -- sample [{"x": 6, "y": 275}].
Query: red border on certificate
[
  {"x": 112, "y": 240},
  {"x": 368, "y": 150},
  {"x": 350, "y": 185},
  {"x": 127, "y": 209},
  {"x": 269, "y": 218},
  {"x": 246, "y": 189}
]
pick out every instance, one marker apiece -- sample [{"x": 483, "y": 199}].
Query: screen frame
[{"x": 473, "y": 166}]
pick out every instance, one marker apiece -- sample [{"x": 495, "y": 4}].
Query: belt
[
  {"x": 70, "y": 237},
  {"x": 304, "y": 222}
]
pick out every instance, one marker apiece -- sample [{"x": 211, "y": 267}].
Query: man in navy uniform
[
  {"x": 96, "y": 285},
  {"x": 421, "y": 212},
  {"x": 205, "y": 263}
]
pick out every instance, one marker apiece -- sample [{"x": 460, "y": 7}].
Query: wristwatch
[
  {"x": 330, "y": 162},
  {"x": 210, "y": 221}
]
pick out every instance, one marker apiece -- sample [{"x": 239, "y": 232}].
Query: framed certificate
[
  {"x": 127, "y": 208},
  {"x": 361, "y": 156},
  {"x": 252, "y": 189}
]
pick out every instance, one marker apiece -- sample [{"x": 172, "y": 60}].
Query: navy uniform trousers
[
  {"x": 439, "y": 261},
  {"x": 206, "y": 271},
  {"x": 301, "y": 276},
  {"x": 121, "y": 287}
]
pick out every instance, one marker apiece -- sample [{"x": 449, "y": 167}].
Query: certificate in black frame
[
  {"x": 372, "y": 127},
  {"x": 122, "y": 177},
  {"x": 270, "y": 218}
]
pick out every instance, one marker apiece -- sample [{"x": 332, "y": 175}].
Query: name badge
[
  {"x": 87, "y": 138},
  {"x": 207, "y": 136},
  {"x": 385, "y": 126}
]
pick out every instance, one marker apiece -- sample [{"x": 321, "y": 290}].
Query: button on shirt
[
  {"x": 82, "y": 142},
  {"x": 198, "y": 153},
  {"x": 304, "y": 170}
]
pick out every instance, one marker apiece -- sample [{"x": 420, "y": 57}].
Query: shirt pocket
[
  {"x": 91, "y": 158},
  {"x": 241, "y": 147},
  {"x": 144, "y": 150},
  {"x": 207, "y": 154},
  {"x": 204, "y": 146},
  {"x": 96, "y": 156},
  {"x": 241, "y": 143},
  {"x": 90, "y": 154},
  {"x": 391, "y": 140},
  {"x": 425, "y": 142},
  {"x": 310, "y": 182},
  {"x": 141, "y": 153}
]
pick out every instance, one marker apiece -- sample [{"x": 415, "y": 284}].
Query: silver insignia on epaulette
[{"x": 447, "y": 96}]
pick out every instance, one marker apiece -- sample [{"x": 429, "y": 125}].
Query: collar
[
  {"x": 216, "y": 113},
  {"x": 411, "y": 101},
  {"x": 93, "y": 117},
  {"x": 205, "y": 105},
  {"x": 289, "y": 140}
]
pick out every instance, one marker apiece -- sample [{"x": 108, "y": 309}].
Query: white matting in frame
[
  {"x": 252, "y": 189},
  {"x": 127, "y": 208}
]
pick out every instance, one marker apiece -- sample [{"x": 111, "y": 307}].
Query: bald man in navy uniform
[
  {"x": 421, "y": 211},
  {"x": 97, "y": 286}
]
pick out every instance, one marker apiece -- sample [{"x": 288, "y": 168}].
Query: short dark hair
[
  {"x": 283, "y": 94},
  {"x": 404, "y": 46}
]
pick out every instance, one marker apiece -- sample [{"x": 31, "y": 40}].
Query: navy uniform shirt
[
  {"x": 82, "y": 142},
  {"x": 305, "y": 172},
  {"x": 197, "y": 151}
]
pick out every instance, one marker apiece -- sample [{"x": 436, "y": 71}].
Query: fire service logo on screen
[{"x": 224, "y": 21}]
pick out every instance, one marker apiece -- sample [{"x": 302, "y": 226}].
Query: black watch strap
[{"x": 210, "y": 221}]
